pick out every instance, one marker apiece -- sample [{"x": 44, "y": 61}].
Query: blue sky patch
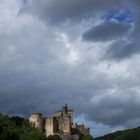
[{"x": 125, "y": 15}]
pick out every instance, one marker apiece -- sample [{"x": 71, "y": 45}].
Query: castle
[{"x": 60, "y": 124}]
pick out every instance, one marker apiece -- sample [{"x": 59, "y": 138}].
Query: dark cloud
[
  {"x": 120, "y": 50},
  {"x": 58, "y": 11},
  {"x": 126, "y": 37},
  {"x": 119, "y": 109},
  {"x": 126, "y": 49},
  {"x": 106, "y": 31}
]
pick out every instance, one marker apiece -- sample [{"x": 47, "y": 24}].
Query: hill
[{"x": 130, "y": 134}]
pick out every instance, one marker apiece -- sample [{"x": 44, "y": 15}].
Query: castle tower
[
  {"x": 64, "y": 120},
  {"x": 36, "y": 120},
  {"x": 66, "y": 124},
  {"x": 65, "y": 110}
]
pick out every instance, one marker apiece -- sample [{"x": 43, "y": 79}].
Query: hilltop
[{"x": 129, "y": 134}]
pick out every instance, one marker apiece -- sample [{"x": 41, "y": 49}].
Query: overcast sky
[{"x": 83, "y": 52}]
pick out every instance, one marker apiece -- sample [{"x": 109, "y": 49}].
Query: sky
[{"x": 82, "y": 52}]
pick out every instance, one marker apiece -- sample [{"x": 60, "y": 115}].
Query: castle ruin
[{"x": 60, "y": 124}]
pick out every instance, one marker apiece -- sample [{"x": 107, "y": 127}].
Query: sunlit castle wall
[
  {"x": 36, "y": 120},
  {"x": 51, "y": 126}
]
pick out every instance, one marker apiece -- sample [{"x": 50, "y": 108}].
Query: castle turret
[
  {"x": 65, "y": 109},
  {"x": 36, "y": 120}
]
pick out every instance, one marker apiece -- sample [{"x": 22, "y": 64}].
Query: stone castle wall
[
  {"x": 50, "y": 126},
  {"x": 36, "y": 120}
]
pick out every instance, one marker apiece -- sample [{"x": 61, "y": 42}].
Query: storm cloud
[
  {"x": 58, "y": 11},
  {"x": 106, "y": 32},
  {"x": 47, "y": 58}
]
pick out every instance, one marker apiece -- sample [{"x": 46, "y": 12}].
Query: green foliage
[
  {"x": 54, "y": 137},
  {"x": 16, "y": 128},
  {"x": 130, "y": 134},
  {"x": 87, "y": 137},
  {"x": 17, "y": 120},
  {"x": 8, "y": 129}
]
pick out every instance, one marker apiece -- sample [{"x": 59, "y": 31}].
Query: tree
[
  {"x": 17, "y": 120},
  {"x": 87, "y": 137},
  {"x": 16, "y": 128},
  {"x": 8, "y": 129}
]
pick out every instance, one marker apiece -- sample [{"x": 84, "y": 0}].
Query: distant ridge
[{"x": 129, "y": 134}]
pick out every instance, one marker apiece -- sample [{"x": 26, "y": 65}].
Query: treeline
[
  {"x": 130, "y": 134},
  {"x": 17, "y": 128}
]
